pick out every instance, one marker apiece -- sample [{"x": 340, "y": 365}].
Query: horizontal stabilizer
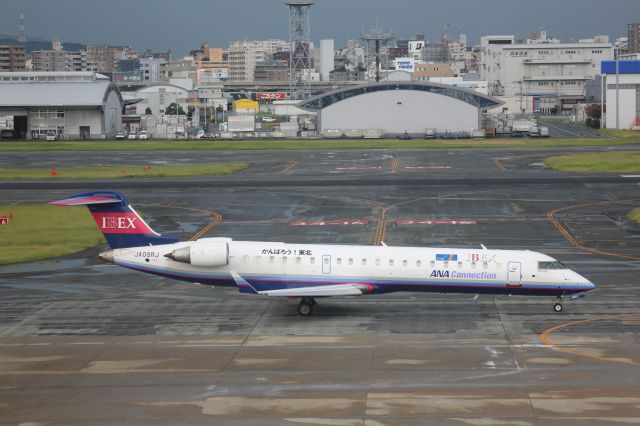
[
  {"x": 319, "y": 291},
  {"x": 85, "y": 201}
]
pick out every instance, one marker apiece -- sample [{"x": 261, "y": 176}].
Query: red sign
[
  {"x": 120, "y": 223},
  {"x": 4, "y": 220},
  {"x": 276, "y": 96}
]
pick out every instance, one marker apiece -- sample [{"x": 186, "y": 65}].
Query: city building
[
  {"x": 399, "y": 107},
  {"x": 69, "y": 105},
  {"x": 424, "y": 72},
  {"x": 12, "y": 58},
  {"x": 555, "y": 74},
  {"x": 151, "y": 68},
  {"x": 633, "y": 35},
  {"x": 103, "y": 58},
  {"x": 622, "y": 80},
  {"x": 327, "y": 55},
  {"x": 271, "y": 70},
  {"x": 344, "y": 74},
  {"x": 244, "y": 55},
  {"x": 158, "y": 97}
]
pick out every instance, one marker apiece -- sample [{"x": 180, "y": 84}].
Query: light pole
[{"x": 617, "y": 54}]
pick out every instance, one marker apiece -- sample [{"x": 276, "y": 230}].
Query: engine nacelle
[{"x": 208, "y": 254}]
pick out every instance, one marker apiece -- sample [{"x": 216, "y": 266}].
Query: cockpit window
[{"x": 551, "y": 265}]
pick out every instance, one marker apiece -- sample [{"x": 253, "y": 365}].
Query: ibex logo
[
  {"x": 120, "y": 223},
  {"x": 110, "y": 222}
]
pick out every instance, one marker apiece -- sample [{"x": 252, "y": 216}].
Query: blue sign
[{"x": 447, "y": 257}]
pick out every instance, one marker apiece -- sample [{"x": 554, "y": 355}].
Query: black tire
[
  {"x": 557, "y": 307},
  {"x": 305, "y": 309}
]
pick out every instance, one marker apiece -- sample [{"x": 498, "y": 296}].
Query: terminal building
[
  {"x": 69, "y": 105},
  {"x": 401, "y": 107}
]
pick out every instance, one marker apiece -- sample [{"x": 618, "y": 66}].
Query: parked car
[
  {"x": 51, "y": 137},
  {"x": 132, "y": 137},
  {"x": 268, "y": 119},
  {"x": 143, "y": 135},
  {"x": 120, "y": 136}
]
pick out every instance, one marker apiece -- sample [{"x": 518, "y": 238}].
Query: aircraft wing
[
  {"x": 347, "y": 289},
  {"x": 319, "y": 291}
]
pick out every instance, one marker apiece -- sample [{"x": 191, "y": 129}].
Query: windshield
[{"x": 551, "y": 265}]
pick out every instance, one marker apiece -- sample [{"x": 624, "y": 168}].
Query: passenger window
[
  {"x": 432, "y": 264},
  {"x": 485, "y": 265},
  {"x": 298, "y": 260},
  {"x": 498, "y": 266},
  {"x": 418, "y": 263},
  {"x": 272, "y": 259},
  {"x": 390, "y": 262},
  {"x": 405, "y": 263},
  {"x": 312, "y": 260},
  {"x": 473, "y": 265},
  {"x": 245, "y": 259},
  {"x": 459, "y": 265},
  {"x": 446, "y": 265},
  {"x": 339, "y": 261},
  {"x": 350, "y": 261},
  {"x": 364, "y": 262},
  {"x": 377, "y": 262},
  {"x": 284, "y": 260},
  {"x": 258, "y": 259}
]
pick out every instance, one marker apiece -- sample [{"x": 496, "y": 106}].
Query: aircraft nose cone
[{"x": 107, "y": 256}]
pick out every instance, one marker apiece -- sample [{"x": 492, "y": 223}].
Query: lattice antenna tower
[
  {"x": 299, "y": 57},
  {"x": 21, "y": 35},
  {"x": 375, "y": 40}
]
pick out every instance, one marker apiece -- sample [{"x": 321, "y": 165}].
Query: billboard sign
[
  {"x": 405, "y": 64},
  {"x": 271, "y": 96}
]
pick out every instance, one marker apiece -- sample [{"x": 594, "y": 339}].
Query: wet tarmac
[{"x": 82, "y": 342}]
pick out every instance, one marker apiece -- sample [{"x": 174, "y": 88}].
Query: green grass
[
  {"x": 620, "y": 133},
  {"x": 635, "y": 215},
  {"x": 596, "y": 162},
  {"x": 123, "y": 171},
  {"x": 40, "y": 231},
  {"x": 157, "y": 145}
]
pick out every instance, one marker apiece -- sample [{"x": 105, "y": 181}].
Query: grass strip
[
  {"x": 40, "y": 231},
  {"x": 635, "y": 215},
  {"x": 324, "y": 144},
  {"x": 127, "y": 171},
  {"x": 596, "y": 162}
]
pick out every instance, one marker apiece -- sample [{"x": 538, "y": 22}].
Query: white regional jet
[{"x": 310, "y": 271}]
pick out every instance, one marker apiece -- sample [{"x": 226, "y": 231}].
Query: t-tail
[{"x": 120, "y": 224}]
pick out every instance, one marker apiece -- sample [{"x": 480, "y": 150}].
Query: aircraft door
[
  {"x": 514, "y": 274},
  {"x": 326, "y": 264}
]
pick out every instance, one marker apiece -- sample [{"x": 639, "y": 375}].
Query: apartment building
[{"x": 12, "y": 58}]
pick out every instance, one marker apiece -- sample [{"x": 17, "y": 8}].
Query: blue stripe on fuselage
[{"x": 264, "y": 283}]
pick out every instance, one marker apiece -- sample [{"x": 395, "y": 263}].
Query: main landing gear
[
  {"x": 557, "y": 307},
  {"x": 306, "y": 305}
]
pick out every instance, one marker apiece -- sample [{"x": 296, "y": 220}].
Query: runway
[{"x": 82, "y": 342}]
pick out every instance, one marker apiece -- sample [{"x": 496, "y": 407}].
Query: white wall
[
  {"x": 326, "y": 59},
  {"x": 627, "y": 100},
  {"x": 398, "y": 111}
]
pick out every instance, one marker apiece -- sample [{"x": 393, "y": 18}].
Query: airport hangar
[
  {"x": 71, "y": 105},
  {"x": 397, "y": 107}
]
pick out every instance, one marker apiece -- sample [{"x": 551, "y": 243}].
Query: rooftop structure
[{"x": 299, "y": 59}]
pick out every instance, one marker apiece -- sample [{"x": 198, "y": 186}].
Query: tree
[
  {"x": 171, "y": 110},
  {"x": 148, "y": 111},
  {"x": 594, "y": 111}
]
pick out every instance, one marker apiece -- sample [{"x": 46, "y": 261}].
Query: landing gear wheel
[
  {"x": 557, "y": 307},
  {"x": 305, "y": 307}
]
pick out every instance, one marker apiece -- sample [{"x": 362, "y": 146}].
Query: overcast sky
[{"x": 182, "y": 25}]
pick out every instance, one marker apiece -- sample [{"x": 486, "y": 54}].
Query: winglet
[{"x": 242, "y": 284}]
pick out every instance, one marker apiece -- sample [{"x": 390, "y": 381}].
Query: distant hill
[{"x": 40, "y": 44}]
